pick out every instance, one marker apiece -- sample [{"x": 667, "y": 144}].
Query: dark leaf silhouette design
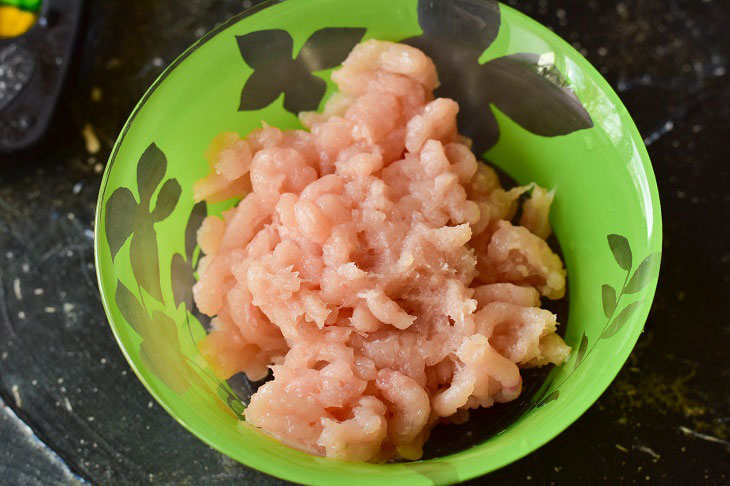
[
  {"x": 118, "y": 223},
  {"x": 471, "y": 24},
  {"x": 643, "y": 274},
  {"x": 143, "y": 255},
  {"x": 621, "y": 251},
  {"x": 534, "y": 96},
  {"x": 328, "y": 47},
  {"x": 150, "y": 171},
  {"x": 191, "y": 229},
  {"x": 131, "y": 309},
  {"x": 276, "y": 71},
  {"x": 581, "y": 350},
  {"x": 262, "y": 48},
  {"x": 260, "y": 91},
  {"x": 455, "y": 34},
  {"x": 160, "y": 353},
  {"x": 182, "y": 272},
  {"x": 182, "y": 281},
  {"x": 305, "y": 93},
  {"x": 608, "y": 294},
  {"x": 531, "y": 93},
  {"x": 160, "y": 347},
  {"x": 125, "y": 217},
  {"x": 553, "y": 396},
  {"x": 621, "y": 319},
  {"x": 230, "y": 399},
  {"x": 166, "y": 200}
]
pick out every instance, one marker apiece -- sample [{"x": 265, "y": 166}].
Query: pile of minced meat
[{"x": 372, "y": 265}]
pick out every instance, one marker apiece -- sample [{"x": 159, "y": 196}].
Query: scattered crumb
[
  {"x": 92, "y": 141},
  {"x": 649, "y": 451},
  {"x": 96, "y": 94},
  {"x": 113, "y": 63},
  {"x": 16, "y": 396},
  {"x": 699, "y": 435},
  {"x": 67, "y": 404},
  {"x": 16, "y": 289}
]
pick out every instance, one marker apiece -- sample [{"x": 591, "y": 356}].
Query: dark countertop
[{"x": 71, "y": 410}]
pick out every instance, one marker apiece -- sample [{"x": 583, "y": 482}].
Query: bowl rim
[{"x": 465, "y": 470}]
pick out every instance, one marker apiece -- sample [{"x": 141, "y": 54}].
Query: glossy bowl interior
[{"x": 534, "y": 107}]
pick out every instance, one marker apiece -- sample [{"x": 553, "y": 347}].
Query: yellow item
[{"x": 14, "y": 22}]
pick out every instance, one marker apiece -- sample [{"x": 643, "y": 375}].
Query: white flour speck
[
  {"x": 16, "y": 289},
  {"x": 16, "y": 395}
]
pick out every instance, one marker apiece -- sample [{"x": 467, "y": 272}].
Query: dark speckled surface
[{"x": 71, "y": 411}]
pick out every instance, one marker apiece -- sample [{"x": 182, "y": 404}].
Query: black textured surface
[
  {"x": 45, "y": 49},
  {"x": 72, "y": 411}
]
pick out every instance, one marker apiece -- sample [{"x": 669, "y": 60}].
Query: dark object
[{"x": 33, "y": 67}]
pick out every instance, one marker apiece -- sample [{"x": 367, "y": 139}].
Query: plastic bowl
[{"x": 535, "y": 108}]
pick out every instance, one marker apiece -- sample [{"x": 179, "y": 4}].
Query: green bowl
[{"x": 535, "y": 108}]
